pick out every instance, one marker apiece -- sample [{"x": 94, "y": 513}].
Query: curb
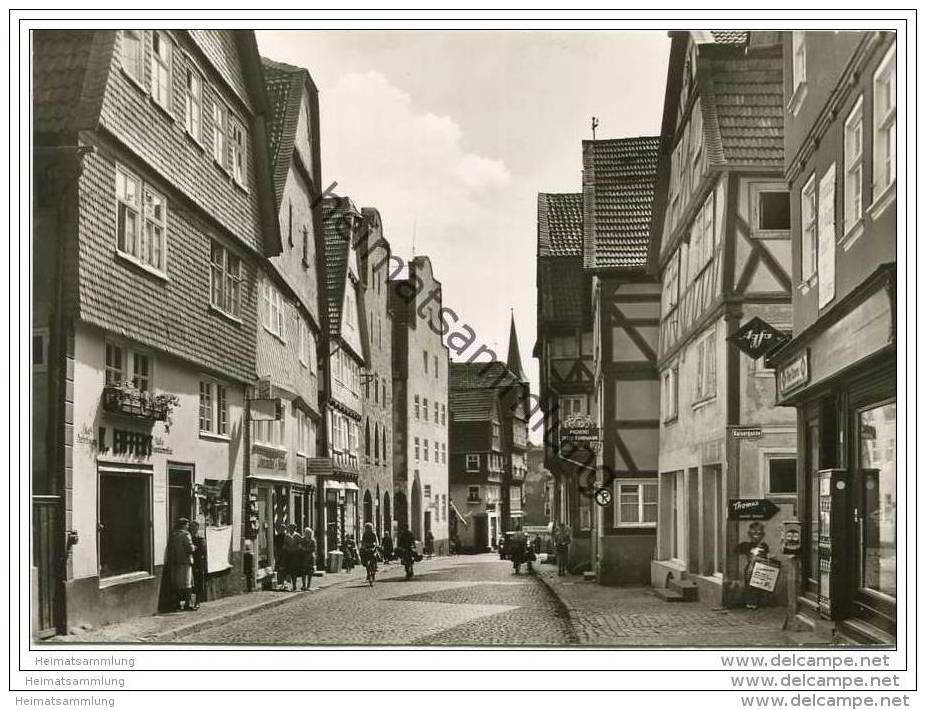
[{"x": 563, "y": 609}]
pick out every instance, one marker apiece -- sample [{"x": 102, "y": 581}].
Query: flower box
[{"x": 131, "y": 402}]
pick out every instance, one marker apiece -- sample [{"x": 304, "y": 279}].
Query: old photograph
[{"x": 536, "y": 338}]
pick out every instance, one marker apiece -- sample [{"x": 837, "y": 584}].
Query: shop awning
[
  {"x": 340, "y": 485},
  {"x": 283, "y": 478},
  {"x": 458, "y": 514}
]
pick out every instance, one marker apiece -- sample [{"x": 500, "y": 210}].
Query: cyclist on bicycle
[{"x": 368, "y": 544}]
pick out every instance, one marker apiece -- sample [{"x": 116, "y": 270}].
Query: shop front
[{"x": 841, "y": 376}]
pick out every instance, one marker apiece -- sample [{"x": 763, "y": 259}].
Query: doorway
[
  {"x": 481, "y": 532},
  {"x": 179, "y": 495}
]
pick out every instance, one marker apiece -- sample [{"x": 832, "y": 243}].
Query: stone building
[
  {"x": 153, "y": 213},
  {"x": 420, "y": 388},
  {"x": 378, "y": 440},
  {"x": 281, "y": 490},
  {"x": 839, "y": 371},
  {"x": 721, "y": 244}
]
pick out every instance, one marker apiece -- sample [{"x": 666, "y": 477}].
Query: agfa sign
[{"x": 757, "y": 338}]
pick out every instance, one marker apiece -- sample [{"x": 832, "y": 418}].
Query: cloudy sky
[{"x": 452, "y": 135}]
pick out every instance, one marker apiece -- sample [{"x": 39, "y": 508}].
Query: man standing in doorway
[
  {"x": 179, "y": 561},
  {"x": 563, "y": 540}
]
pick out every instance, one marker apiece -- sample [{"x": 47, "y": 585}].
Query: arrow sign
[
  {"x": 757, "y": 337},
  {"x": 751, "y": 509}
]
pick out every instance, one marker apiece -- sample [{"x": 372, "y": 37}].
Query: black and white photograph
[{"x": 396, "y": 335}]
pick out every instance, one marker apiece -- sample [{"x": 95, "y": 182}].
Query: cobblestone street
[{"x": 450, "y": 601}]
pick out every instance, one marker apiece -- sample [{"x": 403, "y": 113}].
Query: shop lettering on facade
[
  {"x": 794, "y": 374},
  {"x": 125, "y": 442}
]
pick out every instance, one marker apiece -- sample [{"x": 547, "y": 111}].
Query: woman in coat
[
  {"x": 179, "y": 562},
  {"x": 308, "y": 558},
  {"x": 295, "y": 554}
]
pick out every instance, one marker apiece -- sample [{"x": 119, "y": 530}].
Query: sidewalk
[
  {"x": 163, "y": 628},
  {"x": 634, "y": 616}
]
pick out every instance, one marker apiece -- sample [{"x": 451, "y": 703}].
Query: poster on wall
[
  {"x": 826, "y": 226},
  {"x": 765, "y": 574}
]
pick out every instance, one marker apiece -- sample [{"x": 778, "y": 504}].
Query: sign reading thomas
[
  {"x": 751, "y": 509},
  {"x": 757, "y": 338}
]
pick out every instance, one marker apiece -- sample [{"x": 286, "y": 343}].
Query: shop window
[
  {"x": 216, "y": 502},
  {"x": 472, "y": 462},
  {"x": 637, "y": 503},
  {"x": 782, "y": 475},
  {"x": 774, "y": 211},
  {"x": 124, "y": 522},
  {"x": 877, "y": 442}
]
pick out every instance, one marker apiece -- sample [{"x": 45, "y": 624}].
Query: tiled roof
[
  {"x": 480, "y": 375},
  {"x": 69, "y": 78},
  {"x": 618, "y": 181},
  {"x": 743, "y": 105},
  {"x": 472, "y": 405},
  {"x": 563, "y": 292},
  {"x": 284, "y": 84},
  {"x": 559, "y": 224},
  {"x": 730, "y": 36},
  {"x": 338, "y": 236}
]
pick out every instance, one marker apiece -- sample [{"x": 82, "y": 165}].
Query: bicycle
[{"x": 370, "y": 565}]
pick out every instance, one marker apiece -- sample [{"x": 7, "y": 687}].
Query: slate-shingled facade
[
  {"x": 152, "y": 216},
  {"x": 721, "y": 247}
]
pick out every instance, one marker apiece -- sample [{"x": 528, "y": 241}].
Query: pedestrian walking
[
  {"x": 295, "y": 557},
  {"x": 388, "y": 547},
  {"x": 199, "y": 564},
  {"x": 279, "y": 552},
  {"x": 248, "y": 562},
  {"x": 429, "y": 544},
  {"x": 178, "y": 559},
  {"x": 308, "y": 558},
  {"x": 563, "y": 540}
]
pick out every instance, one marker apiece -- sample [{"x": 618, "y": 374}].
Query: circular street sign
[{"x": 602, "y": 497}]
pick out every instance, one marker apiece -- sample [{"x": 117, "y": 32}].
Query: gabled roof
[
  {"x": 287, "y": 86},
  {"x": 336, "y": 215},
  {"x": 479, "y": 405},
  {"x": 481, "y": 375},
  {"x": 559, "y": 224},
  {"x": 618, "y": 180}
]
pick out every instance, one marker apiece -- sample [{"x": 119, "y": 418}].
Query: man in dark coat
[
  {"x": 199, "y": 565},
  {"x": 179, "y": 562}
]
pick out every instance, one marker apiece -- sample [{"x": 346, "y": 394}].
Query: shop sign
[
  {"x": 765, "y": 574},
  {"x": 161, "y": 447},
  {"x": 794, "y": 374},
  {"x": 757, "y": 338},
  {"x": 578, "y": 431},
  {"x": 125, "y": 442},
  {"x": 746, "y": 432},
  {"x": 751, "y": 509}
]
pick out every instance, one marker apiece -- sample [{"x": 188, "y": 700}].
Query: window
[
  {"x": 852, "y": 145},
  {"x": 418, "y": 449},
  {"x": 226, "y": 281},
  {"x": 273, "y": 432},
  {"x": 798, "y": 60},
  {"x": 39, "y": 350},
  {"x": 670, "y": 393},
  {"x": 305, "y": 248},
  {"x": 426, "y": 450},
  {"x": 472, "y": 495},
  {"x": 436, "y": 372},
  {"x": 706, "y": 386},
  {"x": 115, "y": 363},
  {"x": 160, "y": 69},
  {"x": 366, "y": 440},
  {"x": 213, "y": 408},
  {"x": 573, "y": 405},
  {"x": 239, "y": 143},
  {"x": 702, "y": 242},
  {"x": 637, "y": 503},
  {"x": 443, "y": 452},
  {"x": 141, "y": 372},
  {"x": 425, "y": 403},
  {"x": 133, "y": 54},
  {"x": 124, "y": 522},
  {"x": 194, "y": 104},
  {"x": 427, "y": 491},
  {"x": 670, "y": 285},
  {"x": 436, "y": 452},
  {"x": 417, "y": 407},
  {"x": 782, "y": 475},
  {"x": 305, "y": 343},
  {"x": 885, "y": 123},
  {"x": 425, "y": 353},
  {"x": 273, "y": 310},
  {"x": 472, "y": 462},
  {"x": 220, "y": 133},
  {"x": 774, "y": 211},
  {"x": 376, "y": 442},
  {"x": 140, "y": 234},
  {"x": 496, "y": 430},
  {"x": 443, "y": 414},
  {"x": 435, "y": 412},
  {"x": 809, "y": 228}
]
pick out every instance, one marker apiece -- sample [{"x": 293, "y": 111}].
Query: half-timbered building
[
  {"x": 618, "y": 183},
  {"x": 721, "y": 246}
]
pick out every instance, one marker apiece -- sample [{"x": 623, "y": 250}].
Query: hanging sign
[
  {"x": 746, "y": 432},
  {"x": 794, "y": 374},
  {"x": 751, "y": 509},
  {"x": 757, "y": 338}
]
